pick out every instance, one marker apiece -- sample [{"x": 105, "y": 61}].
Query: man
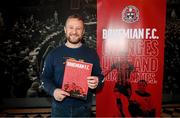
[
  {"x": 140, "y": 102},
  {"x": 122, "y": 87},
  {"x": 53, "y": 71}
]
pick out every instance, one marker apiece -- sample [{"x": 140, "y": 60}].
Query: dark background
[{"x": 28, "y": 31}]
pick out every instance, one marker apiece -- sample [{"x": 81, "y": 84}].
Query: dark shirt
[{"x": 53, "y": 70}]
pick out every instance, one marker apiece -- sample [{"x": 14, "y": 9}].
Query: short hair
[
  {"x": 142, "y": 81},
  {"x": 76, "y": 16}
]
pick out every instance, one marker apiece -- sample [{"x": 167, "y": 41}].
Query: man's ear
[{"x": 64, "y": 29}]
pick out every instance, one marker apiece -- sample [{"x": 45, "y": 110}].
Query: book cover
[{"x": 75, "y": 75}]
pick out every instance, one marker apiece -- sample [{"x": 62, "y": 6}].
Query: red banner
[{"x": 130, "y": 42}]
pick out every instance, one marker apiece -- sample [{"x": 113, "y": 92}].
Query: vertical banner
[{"x": 130, "y": 43}]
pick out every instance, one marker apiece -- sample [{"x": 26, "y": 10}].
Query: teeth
[{"x": 73, "y": 35}]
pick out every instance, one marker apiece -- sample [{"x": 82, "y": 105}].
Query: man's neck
[{"x": 70, "y": 45}]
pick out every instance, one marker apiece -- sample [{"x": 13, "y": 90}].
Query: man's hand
[
  {"x": 92, "y": 81},
  {"x": 60, "y": 94}
]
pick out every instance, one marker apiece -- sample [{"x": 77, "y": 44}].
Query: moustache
[{"x": 74, "y": 35}]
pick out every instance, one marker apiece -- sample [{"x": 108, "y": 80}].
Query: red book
[{"x": 75, "y": 75}]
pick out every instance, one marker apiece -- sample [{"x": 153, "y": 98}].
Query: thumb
[{"x": 65, "y": 93}]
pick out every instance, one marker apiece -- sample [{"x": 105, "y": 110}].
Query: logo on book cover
[
  {"x": 130, "y": 14},
  {"x": 78, "y": 65}
]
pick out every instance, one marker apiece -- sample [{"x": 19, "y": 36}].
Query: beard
[{"x": 74, "y": 40}]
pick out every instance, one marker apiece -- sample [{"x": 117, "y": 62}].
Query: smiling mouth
[{"x": 74, "y": 35}]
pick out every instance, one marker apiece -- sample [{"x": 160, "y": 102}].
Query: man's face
[
  {"x": 74, "y": 30},
  {"x": 142, "y": 86}
]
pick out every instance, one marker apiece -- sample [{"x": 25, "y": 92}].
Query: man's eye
[
  {"x": 78, "y": 28},
  {"x": 70, "y": 27}
]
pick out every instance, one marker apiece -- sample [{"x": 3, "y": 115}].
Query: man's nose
[{"x": 74, "y": 30}]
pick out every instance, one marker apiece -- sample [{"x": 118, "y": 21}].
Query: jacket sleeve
[{"x": 47, "y": 75}]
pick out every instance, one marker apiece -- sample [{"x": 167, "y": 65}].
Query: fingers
[
  {"x": 92, "y": 82},
  {"x": 64, "y": 93},
  {"x": 59, "y": 94}
]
